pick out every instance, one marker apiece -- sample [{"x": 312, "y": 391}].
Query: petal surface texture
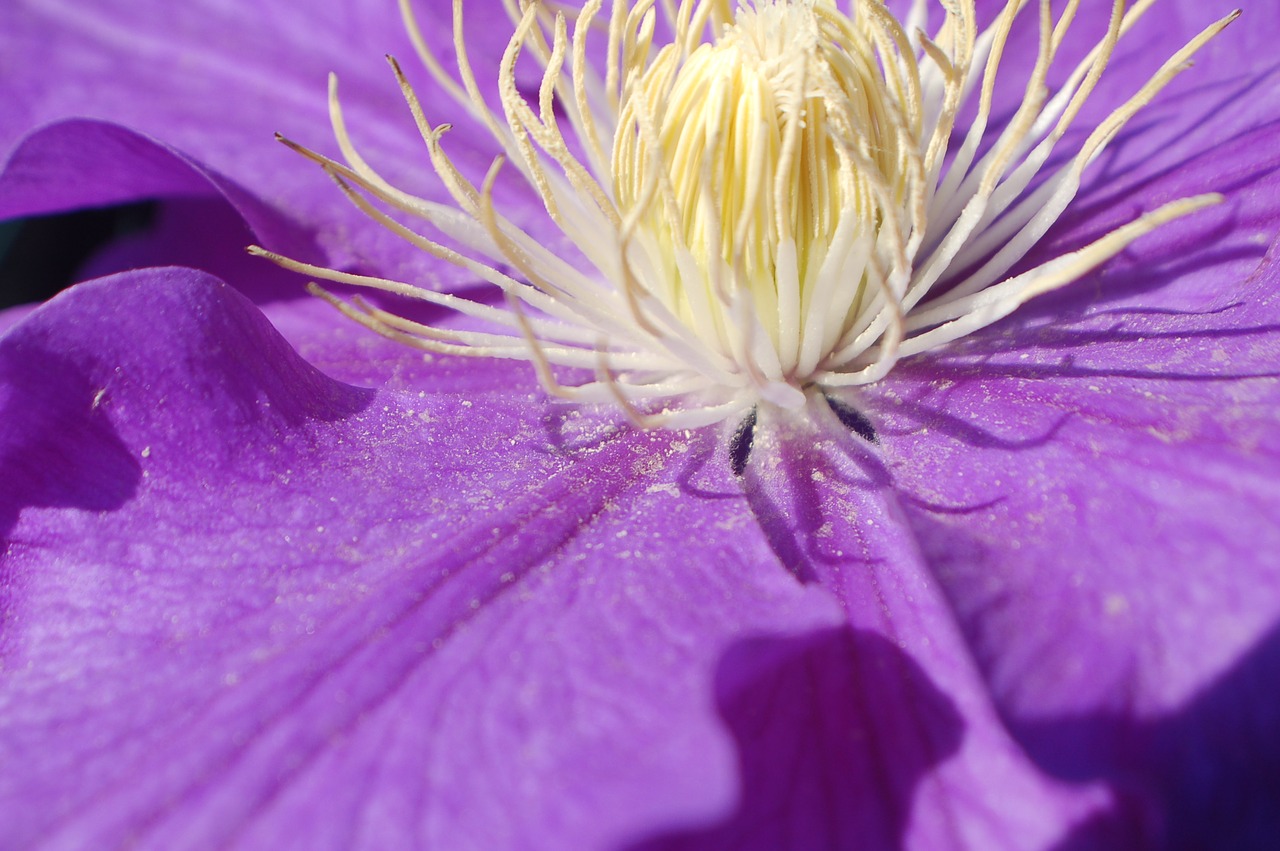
[
  {"x": 269, "y": 581},
  {"x": 243, "y": 599}
]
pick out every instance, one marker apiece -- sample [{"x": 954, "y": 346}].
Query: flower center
[
  {"x": 776, "y": 200},
  {"x": 746, "y": 159}
]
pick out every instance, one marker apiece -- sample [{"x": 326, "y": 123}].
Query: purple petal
[
  {"x": 245, "y": 603},
  {"x": 13, "y": 315},
  {"x": 212, "y": 79},
  {"x": 165, "y": 683},
  {"x": 88, "y": 163},
  {"x": 896, "y": 769},
  {"x": 1094, "y": 485},
  {"x": 216, "y": 81},
  {"x": 205, "y": 233}
]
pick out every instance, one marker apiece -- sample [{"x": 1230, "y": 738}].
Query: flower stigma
[{"x": 764, "y": 200}]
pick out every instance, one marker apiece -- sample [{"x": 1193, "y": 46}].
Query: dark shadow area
[
  {"x": 201, "y": 232},
  {"x": 1205, "y": 777},
  {"x": 40, "y": 256},
  {"x": 201, "y": 219},
  {"x": 834, "y": 732},
  {"x": 46, "y": 254},
  {"x": 57, "y": 448}
]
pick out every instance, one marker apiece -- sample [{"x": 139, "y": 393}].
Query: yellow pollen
[
  {"x": 777, "y": 198},
  {"x": 760, "y": 144}
]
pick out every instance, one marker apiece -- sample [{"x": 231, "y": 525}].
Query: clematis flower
[{"x": 270, "y": 580}]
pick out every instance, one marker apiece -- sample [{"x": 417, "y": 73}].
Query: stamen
[{"x": 775, "y": 200}]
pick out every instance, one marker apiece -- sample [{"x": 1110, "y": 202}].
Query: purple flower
[{"x": 248, "y": 602}]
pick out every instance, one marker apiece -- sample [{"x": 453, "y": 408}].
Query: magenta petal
[{"x": 247, "y": 604}]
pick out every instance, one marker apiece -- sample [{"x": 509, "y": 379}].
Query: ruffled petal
[
  {"x": 82, "y": 163},
  {"x": 246, "y": 604},
  {"x": 215, "y": 81}
]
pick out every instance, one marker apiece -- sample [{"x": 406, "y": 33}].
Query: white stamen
[{"x": 764, "y": 202}]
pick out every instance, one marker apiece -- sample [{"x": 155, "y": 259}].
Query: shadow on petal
[
  {"x": 834, "y": 730},
  {"x": 206, "y": 221},
  {"x": 57, "y": 448},
  {"x": 925, "y": 416},
  {"x": 1075, "y": 687},
  {"x": 1101, "y": 197},
  {"x": 1206, "y": 776},
  {"x": 205, "y": 232},
  {"x": 64, "y": 440}
]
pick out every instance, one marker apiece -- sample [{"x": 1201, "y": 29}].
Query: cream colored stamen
[{"x": 762, "y": 204}]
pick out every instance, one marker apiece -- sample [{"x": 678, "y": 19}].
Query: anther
[
  {"x": 853, "y": 419},
  {"x": 741, "y": 442}
]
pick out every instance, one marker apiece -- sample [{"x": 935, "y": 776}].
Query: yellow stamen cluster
[
  {"x": 776, "y": 198},
  {"x": 756, "y": 162}
]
